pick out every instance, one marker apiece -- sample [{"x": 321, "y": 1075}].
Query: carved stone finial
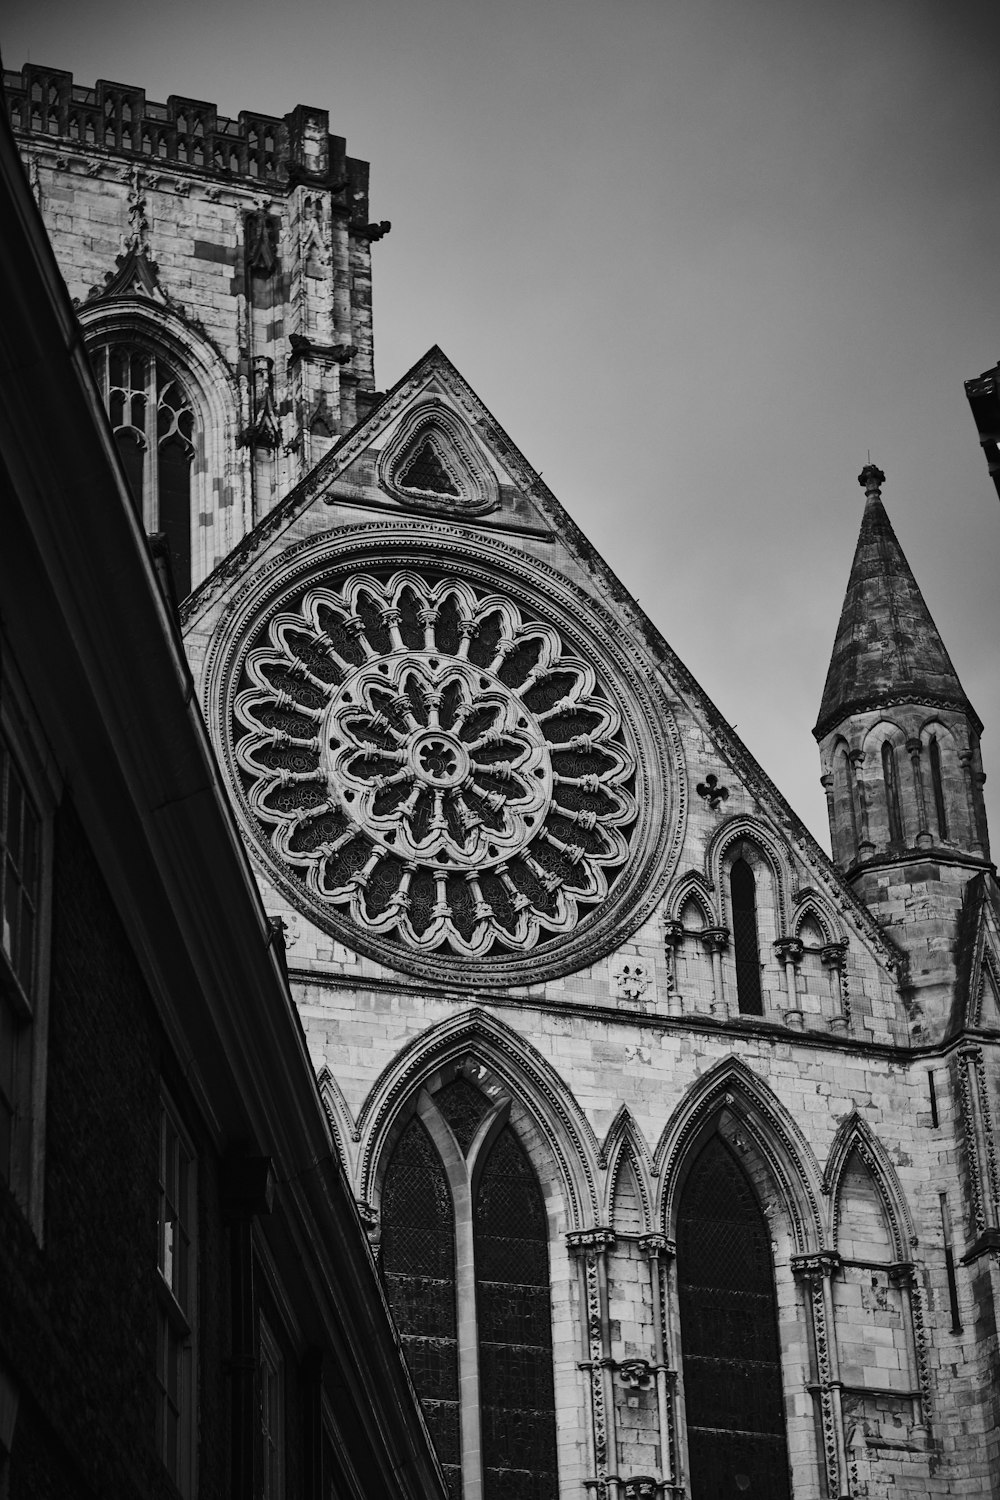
[{"x": 871, "y": 480}]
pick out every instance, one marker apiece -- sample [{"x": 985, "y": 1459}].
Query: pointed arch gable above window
[
  {"x": 434, "y": 462},
  {"x": 630, "y": 1171},
  {"x": 855, "y": 1139},
  {"x": 506, "y": 1062},
  {"x": 731, "y": 1088}
]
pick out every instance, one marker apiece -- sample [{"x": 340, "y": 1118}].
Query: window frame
[
  {"x": 271, "y": 1361},
  {"x": 24, "y": 1170},
  {"x": 160, "y": 374},
  {"x": 177, "y": 1306}
]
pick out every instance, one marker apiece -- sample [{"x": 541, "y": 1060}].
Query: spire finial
[{"x": 871, "y": 480}]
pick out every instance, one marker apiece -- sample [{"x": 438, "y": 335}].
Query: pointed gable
[
  {"x": 887, "y": 645},
  {"x": 977, "y": 957}
]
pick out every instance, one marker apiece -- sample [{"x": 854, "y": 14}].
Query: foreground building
[{"x": 676, "y": 1138}]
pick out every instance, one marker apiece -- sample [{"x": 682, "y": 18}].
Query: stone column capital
[
  {"x": 714, "y": 939},
  {"x": 815, "y": 1266}
]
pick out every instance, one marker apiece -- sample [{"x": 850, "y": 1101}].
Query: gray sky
[{"x": 696, "y": 257}]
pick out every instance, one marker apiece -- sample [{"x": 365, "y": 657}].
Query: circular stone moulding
[{"x": 446, "y": 755}]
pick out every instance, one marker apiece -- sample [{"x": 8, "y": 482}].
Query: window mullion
[
  {"x": 468, "y": 1341},
  {"x": 151, "y": 469}
]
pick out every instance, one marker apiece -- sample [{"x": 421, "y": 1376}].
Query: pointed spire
[{"x": 887, "y": 649}]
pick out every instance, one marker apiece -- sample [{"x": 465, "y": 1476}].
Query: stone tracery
[{"x": 438, "y": 764}]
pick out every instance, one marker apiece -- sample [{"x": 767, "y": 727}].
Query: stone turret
[{"x": 899, "y": 744}]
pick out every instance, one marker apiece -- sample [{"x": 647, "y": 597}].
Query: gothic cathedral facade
[{"x": 675, "y": 1139}]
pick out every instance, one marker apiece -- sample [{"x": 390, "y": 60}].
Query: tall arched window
[
  {"x": 845, "y": 819},
  {"x": 743, "y": 893},
  {"x": 729, "y": 1334},
  {"x": 154, "y": 426},
  {"x": 934, "y": 756},
  {"x": 418, "y": 1257},
  {"x": 465, "y": 1252},
  {"x": 890, "y": 780}
]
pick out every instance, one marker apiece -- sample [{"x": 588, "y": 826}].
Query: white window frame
[
  {"x": 23, "y": 1172},
  {"x": 177, "y": 1300}
]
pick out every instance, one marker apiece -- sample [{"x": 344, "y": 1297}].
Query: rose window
[{"x": 435, "y": 765}]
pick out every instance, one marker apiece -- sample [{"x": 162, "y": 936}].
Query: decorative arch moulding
[
  {"x": 431, "y": 460},
  {"x": 446, "y": 755},
  {"x": 477, "y": 1043}
]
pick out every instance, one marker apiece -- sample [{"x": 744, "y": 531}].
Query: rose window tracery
[{"x": 436, "y": 764}]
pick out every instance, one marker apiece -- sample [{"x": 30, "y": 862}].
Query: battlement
[{"x": 117, "y": 118}]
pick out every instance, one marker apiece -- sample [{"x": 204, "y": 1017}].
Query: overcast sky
[{"x": 697, "y": 258}]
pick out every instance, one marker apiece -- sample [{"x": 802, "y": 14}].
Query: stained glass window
[
  {"x": 515, "y": 1329},
  {"x": 475, "y": 1240},
  {"x": 744, "y": 902},
  {"x": 729, "y": 1334},
  {"x": 465, "y": 1108},
  {"x": 418, "y": 1256},
  {"x": 425, "y": 471}
]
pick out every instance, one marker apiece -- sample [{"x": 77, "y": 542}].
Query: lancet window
[
  {"x": 729, "y": 1333},
  {"x": 154, "y": 424},
  {"x": 937, "y": 786},
  {"x": 890, "y": 781},
  {"x": 743, "y": 893},
  {"x": 465, "y": 1254}
]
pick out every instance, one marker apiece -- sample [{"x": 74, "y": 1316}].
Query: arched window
[
  {"x": 729, "y": 1334},
  {"x": 466, "y": 1259},
  {"x": 890, "y": 781},
  {"x": 154, "y": 425},
  {"x": 934, "y": 756},
  {"x": 743, "y": 894},
  {"x": 418, "y": 1257},
  {"x": 845, "y": 830}
]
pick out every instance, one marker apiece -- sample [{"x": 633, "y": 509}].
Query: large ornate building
[{"x": 675, "y": 1136}]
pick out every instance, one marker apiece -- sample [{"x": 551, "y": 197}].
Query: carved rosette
[
  {"x": 439, "y": 766},
  {"x": 435, "y": 764}
]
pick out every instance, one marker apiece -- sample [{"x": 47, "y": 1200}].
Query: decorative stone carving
[
  {"x": 430, "y": 765},
  {"x": 641, "y": 1487},
  {"x": 433, "y": 462},
  {"x": 714, "y": 939},
  {"x": 631, "y": 978},
  {"x": 788, "y": 949},
  {"x": 436, "y": 767},
  {"x": 636, "y": 1374},
  {"x": 711, "y": 792}
]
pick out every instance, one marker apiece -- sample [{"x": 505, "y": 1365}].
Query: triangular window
[
  {"x": 426, "y": 472},
  {"x": 434, "y": 461}
]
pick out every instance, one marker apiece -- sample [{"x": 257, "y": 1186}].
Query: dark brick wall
[{"x": 78, "y": 1313}]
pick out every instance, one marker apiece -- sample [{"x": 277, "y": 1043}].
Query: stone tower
[
  {"x": 231, "y": 259},
  {"x": 899, "y": 743}
]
